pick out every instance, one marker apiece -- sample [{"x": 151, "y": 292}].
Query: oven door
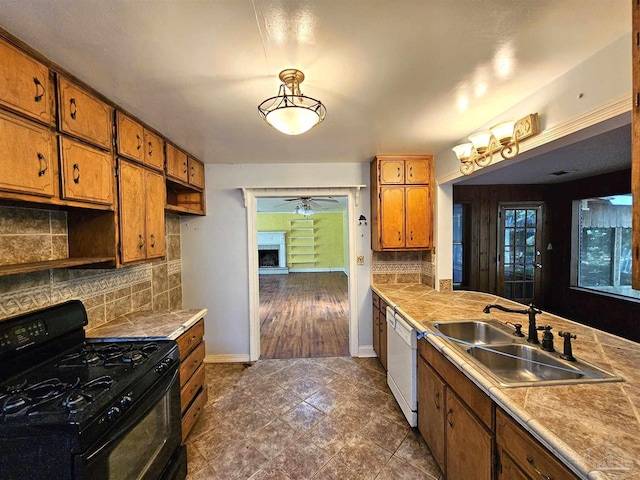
[{"x": 143, "y": 443}]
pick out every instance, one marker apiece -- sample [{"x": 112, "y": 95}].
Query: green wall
[{"x": 327, "y": 242}]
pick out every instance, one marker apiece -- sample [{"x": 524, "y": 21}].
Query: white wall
[
  {"x": 214, "y": 248},
  {"x": 596, "y": 90}
]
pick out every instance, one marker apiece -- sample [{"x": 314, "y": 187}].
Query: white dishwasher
[{"x": 401, "y": 364}]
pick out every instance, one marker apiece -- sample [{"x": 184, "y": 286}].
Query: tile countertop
[
  {"x": 149, "y": 324},
  {"x": 593, "y": 428}
]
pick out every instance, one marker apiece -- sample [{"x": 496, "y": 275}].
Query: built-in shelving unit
[{"x": 301, "y": 244}]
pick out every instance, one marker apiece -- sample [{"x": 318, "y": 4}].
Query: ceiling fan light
[
  {"x": 481, "y": 141},
  {"x": 463, "y": 151},
  {"x": 503, "y": 132}
]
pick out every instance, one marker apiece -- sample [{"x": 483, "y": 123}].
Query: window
[
  {"x": 460, "y": 248},
  {"x": 602, "y": 238}
]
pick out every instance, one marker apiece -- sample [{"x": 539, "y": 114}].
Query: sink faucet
[{"x": 531, "y": 311}]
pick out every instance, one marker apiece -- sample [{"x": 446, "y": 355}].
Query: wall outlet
[{"x": 360, "y": 259}]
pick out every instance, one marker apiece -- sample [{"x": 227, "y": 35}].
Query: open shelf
[{"x": 51, "y": 264}]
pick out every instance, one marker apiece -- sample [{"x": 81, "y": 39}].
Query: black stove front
[{"x": 72, "y": 408}]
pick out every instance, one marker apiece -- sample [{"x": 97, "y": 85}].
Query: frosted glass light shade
[
  {"x": 503, "y": 132},
  {"x": 292, "y": 120},
  {"x": 463, "y": 151},
  {"x": 481, "y": 141}
]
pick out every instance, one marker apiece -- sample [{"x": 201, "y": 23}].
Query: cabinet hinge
[{"x": 115, "y": 171}]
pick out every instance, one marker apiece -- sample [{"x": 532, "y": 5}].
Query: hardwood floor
[{"x": 304, "y": 315}]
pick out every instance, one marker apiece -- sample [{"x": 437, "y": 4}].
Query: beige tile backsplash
[
  {"x": 403, "y": 267},
  {"x": 30, "y": 235}
]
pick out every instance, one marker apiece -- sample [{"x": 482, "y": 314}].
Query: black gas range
[{"x": 73, "y": 408}]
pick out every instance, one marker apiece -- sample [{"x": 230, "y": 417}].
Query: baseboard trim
[
  {"x": 227, "y": 358},
  {"x": 366, "y": 351},
  {"x": 317, "y": 270}
]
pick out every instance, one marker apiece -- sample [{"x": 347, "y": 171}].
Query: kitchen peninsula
[{"x": 593, "y": 429}]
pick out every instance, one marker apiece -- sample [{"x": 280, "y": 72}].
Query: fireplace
[{"x": 272, "y": 253}]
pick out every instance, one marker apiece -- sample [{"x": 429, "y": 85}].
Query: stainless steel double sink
[{"x": 512, "y": 362}]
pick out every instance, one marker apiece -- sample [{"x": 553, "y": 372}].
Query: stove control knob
[
  {"x": 113, "y": 413},
  {"x": 163, "y": 366},
  {"x": 125, "y": 402}
]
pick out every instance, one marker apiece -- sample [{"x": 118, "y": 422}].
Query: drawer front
[
  {"x": 191, "y": 363},
  {"x": 27, "y": 157},
  {"x": 196, "y": 173},
  {"x": 534, "y": 459},
  {"x": 190, "y": 416},
  {"x": 190, "y": 339},
  {"x": 83, "y": 115},
  {"x": 376, "y": 300},
  {"x": 130, "y": 138},
  {"x": 153, "y": 150},
  {"x": 87, "y": 173},
  {"x": 191, "y": 388},
  {"x": 25, "y": 85},
  {"x": 475, "y": 398}
]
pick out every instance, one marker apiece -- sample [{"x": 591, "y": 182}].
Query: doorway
[
  {"x": 519, "y": 257},
  {"x": 251, "y": 194},
  {"x": 304, "y": 307}
]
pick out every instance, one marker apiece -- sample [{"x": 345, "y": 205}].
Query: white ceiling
[{"x": 396, "y": 76}]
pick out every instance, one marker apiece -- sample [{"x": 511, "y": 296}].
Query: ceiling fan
[{"x": 304, "y": 205}]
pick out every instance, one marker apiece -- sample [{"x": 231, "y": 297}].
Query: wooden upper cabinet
[
  {"x": 155, "y": 190},
  {"x": 25, "y": 84},
  {"x": 418, "y": 171},
  {"x": 391, "y": 171},
  {"x": 87, "y": 173},
  {"x": 401, "y": 203},
  {"x": 176, "y": 163},
  {"x": 84, "y": 116},
  {"x": 392, "y": 207},
  {"x": 635, "y": 145},
  {"x": 27, "y": 157},
  {"x": 129, "y": 138},
  {"x": 196, "y": 173},
  {"x": 153, "y": 150},
  {"x": 132, "y": 219},
  {"x": 418, "y": 221}
]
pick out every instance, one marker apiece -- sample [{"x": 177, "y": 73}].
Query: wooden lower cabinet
[
  {"x": 379, "y": 320},
  {"x": 529, "y": 458},
  {"x": 193, "y": 390},
  {"x": 455, "y": 418}
]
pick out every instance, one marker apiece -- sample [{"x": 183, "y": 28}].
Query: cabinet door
[
  {"x": 469, "y": 451},
  {"x": 376, "y": 331},
  {"x": 508, "y": 470},
  {"x": 431, "y": 410},
  {"x": 392, "y": 217},
  {"x": 130, "y": 142},
  {"x": 87, "y": 173},
  {"x": 418, "y": 217},
  {"x": 176, "y": 163},
  {"x": 391, "y": 171},
  {"x": 132, "y": 211},
  {"x": 153, "y": 150},
  {"x": 27, "y": 157},
  {"x": 24, "y": 84},
  {"x": 417, "y": 171},
  {"x": 84, "y": 116},
  {"x": 383, "y": 338},
  {"x": 155, "y": 201},
  {"x": 196, "y": 173}
]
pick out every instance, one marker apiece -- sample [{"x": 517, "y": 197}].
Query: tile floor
[{"x": 328, "y": 418}]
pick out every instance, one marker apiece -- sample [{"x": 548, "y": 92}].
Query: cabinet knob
[
  {"x": 139, "y": 142},
  {"x": 399, "y": 235},
  {"x": 535, "y": 469},
  {"x": 437, "y": 400},
  {"x": 153, "y": 241},
  {"x": 141, "y": 244},
  {"x": 150, "y": 149},
  {"x": 399, "y": 172},
  {"x": 450, "y": 418}
]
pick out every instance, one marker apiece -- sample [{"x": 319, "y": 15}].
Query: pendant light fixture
[{"x": 291, "y": 112}]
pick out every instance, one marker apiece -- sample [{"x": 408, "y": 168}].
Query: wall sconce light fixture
[
  {"x": 362, "y": 220},
  {"x": 504, "y": 137}
]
